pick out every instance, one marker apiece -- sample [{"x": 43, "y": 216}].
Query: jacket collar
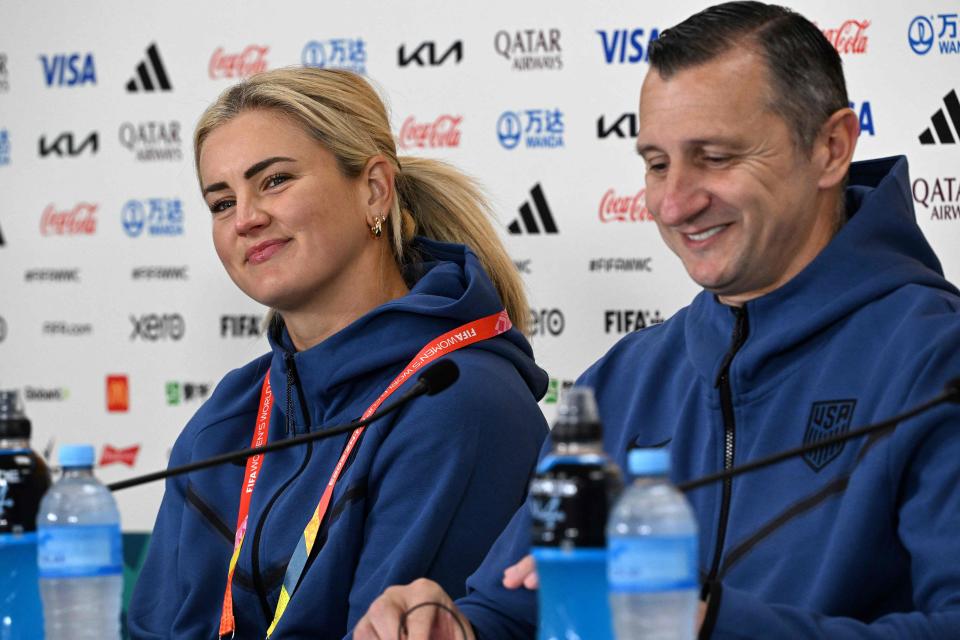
[{"x": 878, "y": 250}]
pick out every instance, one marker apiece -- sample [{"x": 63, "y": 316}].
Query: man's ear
[{"x": 834, "y": 147}]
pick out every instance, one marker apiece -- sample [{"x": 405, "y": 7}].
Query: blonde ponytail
[{"x": 446, "y": 205}]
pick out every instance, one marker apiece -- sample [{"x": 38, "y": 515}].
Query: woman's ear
[{"x": 378, "y": 180}]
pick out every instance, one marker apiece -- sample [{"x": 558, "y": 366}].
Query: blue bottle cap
[
  {"x": 76, "y": 455},
  {"x": 648, "y": 462}
]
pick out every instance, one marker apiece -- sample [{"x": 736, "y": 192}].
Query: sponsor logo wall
[{"x": 117, "y": 320}]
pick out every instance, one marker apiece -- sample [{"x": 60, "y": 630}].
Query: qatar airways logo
[
  {"x": 80, "y": 220},
  {"x": 848, "y": 38},
  {"x": 940, "y": 196},
  {"x": 631, "y": 207},
  {"x": 444, "y": 132},
  {"x": 232, "y": 66},
  {"x": 530, "y": 49}
]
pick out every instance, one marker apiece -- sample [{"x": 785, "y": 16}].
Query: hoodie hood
[
  {"x": 879, "y": 250},
  {"x": 448, "y": 288}
]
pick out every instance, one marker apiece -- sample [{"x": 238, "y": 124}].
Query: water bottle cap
[
  {"x": 648, "y": 462},
  {"x": 76, "y": 455},
  {"x": 13, "y": 422},
  {"x": 577, "y": 417}
]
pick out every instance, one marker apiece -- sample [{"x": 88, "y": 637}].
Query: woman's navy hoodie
[{"x": 425, "y": 493}]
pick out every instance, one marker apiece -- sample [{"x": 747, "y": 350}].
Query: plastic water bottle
[
  {"x": 24, "y": 478},
  {"x": 652, "y": 538},
  {"x": 80, "y": 554},
  {"x": 569, "y": 502}
]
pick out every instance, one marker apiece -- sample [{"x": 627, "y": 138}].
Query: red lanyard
[
  {"x": 464, "y": 335},
  {"x": 254, "y": 465}
]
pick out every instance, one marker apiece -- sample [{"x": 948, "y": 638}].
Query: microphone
[
  {"x": 951, "y": 393},
  {"x": 432, "y": 381},
  {"x": 445, "y": 372}
]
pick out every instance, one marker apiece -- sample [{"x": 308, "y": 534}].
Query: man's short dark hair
[{"x": 806, "y": 75}]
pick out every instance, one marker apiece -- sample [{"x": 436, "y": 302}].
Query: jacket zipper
[
  {"x": 292, "y": 380},
  {"x": 741, "y": 328}
]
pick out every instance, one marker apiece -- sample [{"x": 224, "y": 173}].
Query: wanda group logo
[
  {"x": 624, "y": 208},
  {"x": 442, "y": 132},
  {"x": 253, "y": 59},
  {"x": 80, "y": 220},
  {"x": 848, "y": 37}
]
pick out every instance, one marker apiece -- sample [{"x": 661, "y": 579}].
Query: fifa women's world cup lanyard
[{"x": 465, "y": 335}]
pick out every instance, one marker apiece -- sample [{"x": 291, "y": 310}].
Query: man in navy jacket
[{"x": 824, "y": 309}]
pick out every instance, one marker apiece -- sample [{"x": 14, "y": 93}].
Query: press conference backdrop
[{"x": 116, "y": 318}]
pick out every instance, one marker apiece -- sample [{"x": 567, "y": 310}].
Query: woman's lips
[{"x": 262, "y": 252}]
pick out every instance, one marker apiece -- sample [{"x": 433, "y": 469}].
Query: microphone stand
[
  {"x": 952, "y": 394},
  {"x": 418, "y": 389}
]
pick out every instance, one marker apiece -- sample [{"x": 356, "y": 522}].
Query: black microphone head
[
  {"x": 439, "y": 376},
  {"x": 953, "y": 388}
]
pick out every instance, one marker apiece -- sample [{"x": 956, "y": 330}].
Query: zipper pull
[{"x": 291, "y": 427}]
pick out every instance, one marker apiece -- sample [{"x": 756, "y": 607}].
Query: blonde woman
[{"x": 368, "y": 261}]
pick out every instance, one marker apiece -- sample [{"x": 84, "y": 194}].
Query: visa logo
[
  {"x": 68, "y": 69},
  {"x": 626, "y": 45},
  {"x": 865, "y": 114}
]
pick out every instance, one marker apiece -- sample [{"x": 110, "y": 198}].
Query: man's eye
[{"x": 716, "y": 159}]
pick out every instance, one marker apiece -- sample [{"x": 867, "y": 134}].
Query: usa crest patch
[{"x": 827, "y": 418}]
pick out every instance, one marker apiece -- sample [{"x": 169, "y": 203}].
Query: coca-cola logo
[
  {"x": 442, "y": 132},
  {"x": 628, "y": 208},
  {"x": 82, "y": 219},
  {"x": 848, "y": 37},
  {"x": 238, "y": 65}
]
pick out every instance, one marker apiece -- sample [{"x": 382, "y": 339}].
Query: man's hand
[
  {"x": 523, "y": 573},
  {"x": 429, "y": 622}
]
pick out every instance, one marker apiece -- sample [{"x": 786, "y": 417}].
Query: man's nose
[{"x": 680, "y": 197}]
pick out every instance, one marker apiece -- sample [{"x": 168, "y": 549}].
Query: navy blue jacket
[
  {"x": 859, "y": 541},
  {"x": 425, "y": 493}
]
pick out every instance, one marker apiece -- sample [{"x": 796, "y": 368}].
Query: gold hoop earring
[{"x": 377, "y": 229}]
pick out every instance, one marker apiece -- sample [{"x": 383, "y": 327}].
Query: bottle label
[
  {"x": 569, "y": 500},
  {"x": 79, "y": 551},
  {"x": 652, "y": 563},
  {"x": 23, "y": 481}
]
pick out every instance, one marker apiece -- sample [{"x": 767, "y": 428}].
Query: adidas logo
[
  {"x": 940, "y": 125},
  {"x": 528, "y": 218},
  {"x": 144, "y": 81}
]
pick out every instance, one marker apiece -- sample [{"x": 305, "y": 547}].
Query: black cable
[
  {"x": 402, "y": 629},
  {"x": 951, "y": 395},
  {"x": 274, "y": 446}
]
